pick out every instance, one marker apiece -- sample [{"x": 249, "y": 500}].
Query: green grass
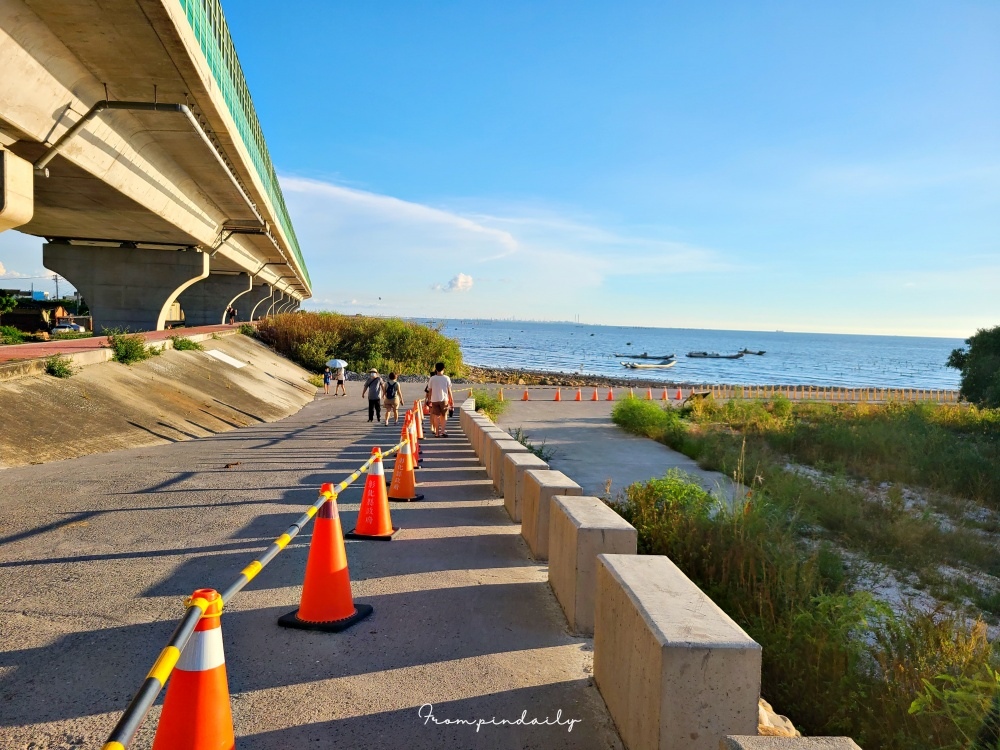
[
  {"x": 835, "y": 661},
  {"x": 182, "y": 343},
  {"x": 128, "y": 348},
  {"x": 753, "y": 437},
  {"x": 58, "y": 366},
  {"x": 11, "y": 335},
  {"x": 488, "y": 403},
  {"x": 70, "y": 335}
]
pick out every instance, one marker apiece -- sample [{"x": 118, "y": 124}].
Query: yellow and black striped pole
[{"x": 127, "y": 726}]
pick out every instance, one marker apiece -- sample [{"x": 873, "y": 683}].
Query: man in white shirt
[{"x": 441, "y": 399}]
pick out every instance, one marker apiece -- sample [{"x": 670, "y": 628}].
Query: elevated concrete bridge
[{"x": 130, "y": 143}]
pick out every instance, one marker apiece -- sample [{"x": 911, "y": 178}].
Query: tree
[
  {"x": 979, "y": 363},
  {"x": 7, "y": 303}
]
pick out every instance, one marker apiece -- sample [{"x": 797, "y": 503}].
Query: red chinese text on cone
[
  {"x": 374, "y": 522},
  {"x": 196, "y": 712},
  {"x": 403, "y": 487},
  {"x": 327, "y": 603}
]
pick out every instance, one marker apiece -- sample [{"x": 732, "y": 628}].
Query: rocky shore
[{"x": 564, "y": 379}]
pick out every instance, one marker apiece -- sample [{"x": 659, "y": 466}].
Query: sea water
[{"x": 790, "y": 358}]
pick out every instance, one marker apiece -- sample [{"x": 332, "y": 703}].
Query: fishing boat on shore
[
  {"x": 645, "y": 356},
  {"x": 642, "y": 366},
  {"x": 713, "y": 355},
  {"x": 761, "y": 353}
]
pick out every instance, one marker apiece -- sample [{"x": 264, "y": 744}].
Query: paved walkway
[
  {"x": 96, "y": 554},
  {"x": 592, "y": 451},
  {"x": 42, "y": 349}
]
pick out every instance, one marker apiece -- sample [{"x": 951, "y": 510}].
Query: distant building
[{"x": 33, "y": 315}]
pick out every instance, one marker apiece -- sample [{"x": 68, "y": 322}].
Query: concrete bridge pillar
[
  {"x": 249, "y": 302},
  {"x": 259, "y": 310},
  {"x": 277, "y": 300},
  {"x": 205, "y": 303},
  {"x": 126, "y": 287}
]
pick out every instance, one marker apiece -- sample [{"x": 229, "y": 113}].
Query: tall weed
[{"x": 836, "y": 661}]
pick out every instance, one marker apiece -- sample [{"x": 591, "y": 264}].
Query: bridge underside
[{"x": 139, "y": 181}]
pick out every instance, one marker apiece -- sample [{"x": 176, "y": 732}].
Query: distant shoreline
[{"x": 514, "y": 376}]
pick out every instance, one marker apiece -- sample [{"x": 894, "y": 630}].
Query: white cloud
[
  {"x": 460, "y": 283},
  {"x": 378, "y": 251}
]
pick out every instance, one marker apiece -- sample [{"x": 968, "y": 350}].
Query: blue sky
[{"x": 766, "y": 165}]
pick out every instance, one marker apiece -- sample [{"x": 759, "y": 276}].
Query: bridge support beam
[
  {"x": 249, "y": 302},
  {"x": 126, "y": 287},
  {"x": 17, "y": 190},
  {"x": 205, "y": 303},
  {"x": 277, "y": 300},
  {"x": 259, "y": 310}
]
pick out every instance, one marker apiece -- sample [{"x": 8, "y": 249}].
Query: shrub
[
  {"x": 128, "y": 348},
  {"x": 11, "y": 335},
  {"x": 387, "y": 344},
  {"x": 835, "y": 661},
  {"x": 182, "y": 344},
  {"x": 979, "y": 364},
  {"x": 248, "y": 330},
  {"x": 58, "y": 366},
  {"x": 488, "y": 403}
]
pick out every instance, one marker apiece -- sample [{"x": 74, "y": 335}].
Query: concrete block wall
[
  {"x": 540, "y": 486},
  {"x": 514, "y": 466},
  {"x": 499, "y": 449},
  {"x": 580, "y": 529},
  {"x": 675, "y": 671}
]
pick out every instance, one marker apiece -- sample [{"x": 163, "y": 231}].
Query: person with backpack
[
  {"x": 392, "y": 399},
  {"x": 374, "y": 387}
]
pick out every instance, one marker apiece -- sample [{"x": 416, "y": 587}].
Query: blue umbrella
[{"x": 336, "y": 364}]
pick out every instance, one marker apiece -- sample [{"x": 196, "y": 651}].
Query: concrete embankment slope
[{"x": 175, "y": 396}]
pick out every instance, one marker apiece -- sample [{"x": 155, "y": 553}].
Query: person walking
[
  {"x": 393, "y": 398},
  {"x": 340, "y": 383},
  {"x": 327, "y": 377},
  {"x": 374, "y": 387},
  {"x": 441, "y": 399}
]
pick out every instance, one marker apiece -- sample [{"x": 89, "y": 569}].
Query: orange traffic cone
[
  {"x": 611, "y": 395},
  {"x": 525, "y": 396},
  {"x": 196, "y": 712},
  {"x": 403, "y": 487},
  {"x": 678, "y": 396},
  {"x": 649, "y": 394},
  {"x": 501, "y": 394},
  {"x": 594, "y": 397},
  {"x": 631, "y": 393},
  {"x": 418, "y": 422},
  {"x": 665, "y": 397},
  {"x": 558, "y": 395},
  {"x": 410, "y": 433},
  {"x": 326, "y": 603},
  {"x": 373, "y": 515},
  {"x": 579, "y": 395}
]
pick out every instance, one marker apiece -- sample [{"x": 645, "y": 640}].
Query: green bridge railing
[{"x": 209, "y": 25}]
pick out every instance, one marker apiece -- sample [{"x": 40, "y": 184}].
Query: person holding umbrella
[{"x": 338, "y": 366}]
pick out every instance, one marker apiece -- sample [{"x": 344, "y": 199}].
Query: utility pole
[{"x": 55, "y": 278}]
